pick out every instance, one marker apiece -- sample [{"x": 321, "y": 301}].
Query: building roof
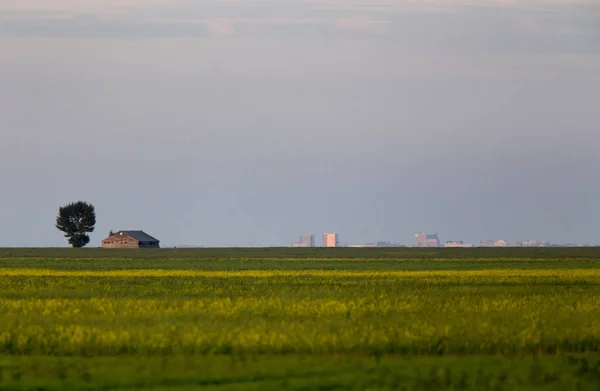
[{"x": 140, "y": 236}]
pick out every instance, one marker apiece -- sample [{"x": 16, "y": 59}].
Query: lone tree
[{"x": 76, "y": 220}]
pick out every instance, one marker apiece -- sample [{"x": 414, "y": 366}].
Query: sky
[{"x": 250, "y": 123}]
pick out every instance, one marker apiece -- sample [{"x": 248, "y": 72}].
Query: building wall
[
  {"x": 306, "y": 241},
  {"x": 493, "y": 243},
  {"x": 426, "y": 240},
  {"x": 457, "y": 244},
  {"x": 120, "y": 242},
  {"x": 330, "y": 240},
  {"x": 535, "y": 243},
  {"x": 420, "y": 239}
]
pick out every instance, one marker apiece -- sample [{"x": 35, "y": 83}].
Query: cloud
[
  {"x": 441, "y": 20},
  {"x": 217, "y": 27},
  {"x": 36, "y": 16},
  {"x": 79, "y": 6},
  {"x": 116, "y": 6},
  {"x": 449, "y": 3},
  {"x": 447, "y": 6},
  {"x": 229, "y": 26}
]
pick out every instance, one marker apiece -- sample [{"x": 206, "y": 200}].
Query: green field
[
  {"x": 301, "y": 319},
  {"x": 398, "y": 253}
]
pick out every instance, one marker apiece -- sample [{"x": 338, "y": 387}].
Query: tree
[{"x": 76, "y": 220}]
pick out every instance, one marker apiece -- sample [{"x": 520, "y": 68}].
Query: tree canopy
[{"x": 76, "y": 220}]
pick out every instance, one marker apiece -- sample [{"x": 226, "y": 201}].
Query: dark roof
[{"x": 140, "y": 236}]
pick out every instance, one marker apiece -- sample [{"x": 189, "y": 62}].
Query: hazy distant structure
[
  {"x": 534, "y": 243},
  {"x": 493, "y": 243},
  {"x": 330, "y": 240},
  {"x": 457, "y": 243},
  {"x": 388, "y": 244},
  {"x": 423, "y": 239},
  {"x": 378, "y": 244},
  {"x": 305, "y": 241}
]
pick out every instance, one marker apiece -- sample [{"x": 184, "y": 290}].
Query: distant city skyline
[{"x": 431, "y": 240}]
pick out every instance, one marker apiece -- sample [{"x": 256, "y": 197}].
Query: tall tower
[
  {"x": 330, "y": 240},
  {"x": 307, "y": 241}
]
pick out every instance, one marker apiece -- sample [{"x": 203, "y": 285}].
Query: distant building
[
  {"x": 493, "y": 243},
  {"x": 388, "y": 244},
  {"x": 305, "y": 241},
  {"x": 535, "y": 243},
  {"x": 457, "y": 243},
  {"x": 130, "y": 239},
  {"x": 330, "y": 240},
  {"x": 423, "y": 239}
]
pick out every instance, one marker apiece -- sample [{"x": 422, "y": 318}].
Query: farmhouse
[{"x": 130, "y": 239}]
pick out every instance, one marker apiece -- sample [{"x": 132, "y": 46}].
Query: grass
[
  {"x": 293, "y": 372},
  {"x": 506, "y": 322},
  {"x": 235, "y": 264},
  {"x": 347, "y": 253}
]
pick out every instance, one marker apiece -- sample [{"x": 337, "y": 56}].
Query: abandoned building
[{"x": 130, "y": 239}]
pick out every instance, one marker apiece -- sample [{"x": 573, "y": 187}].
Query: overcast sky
[{"x": 252, "y": 122}]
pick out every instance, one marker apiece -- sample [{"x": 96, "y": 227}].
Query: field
[{"x": 301, "y": 319}]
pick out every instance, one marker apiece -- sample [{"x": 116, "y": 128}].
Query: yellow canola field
[{"x": 50, "y": 312}]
